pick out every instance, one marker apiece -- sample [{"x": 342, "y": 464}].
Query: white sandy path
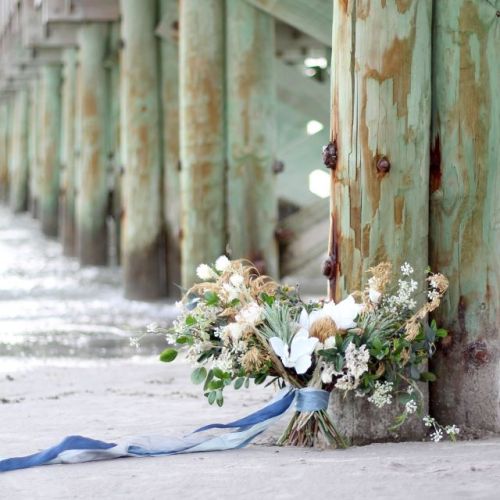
[{"x": 107, "y": 400}]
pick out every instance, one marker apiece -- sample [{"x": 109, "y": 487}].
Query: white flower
[
  {"x": 298, "y": 355},
  {"x": 382, "y": 394},
  {"x": 411, "y": 407},
  {"x": 329, "y": 343},
  {"x": 452, "y": 430},
  {"x": 152, "y": 328},
  {"x": 251, "y": 314},
  {"x": 406, "y": 269},
  {"x": 343, "y": 314},
  {"x": 374, "y": 296},
  {"x": 428, "y": 421},
  {"x": 205, "y": 272},
  {"x": 410, "y": 389},
  {"x": 356, "y": 360},
  {"x": 236, "y": 280},
  {"x": 328, "y": 372},
  {"x": 437, "y": 435},
  {"x": 222, "y": 263},
  {"x": 234, "y": 331}
]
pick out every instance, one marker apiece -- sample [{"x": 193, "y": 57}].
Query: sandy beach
[{"x": 66, "y": 367}]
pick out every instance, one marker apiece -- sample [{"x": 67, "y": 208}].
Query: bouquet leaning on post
[{"x": 238, "y": 326}]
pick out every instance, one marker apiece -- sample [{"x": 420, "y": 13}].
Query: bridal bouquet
[{"x": 238, "y": 326}]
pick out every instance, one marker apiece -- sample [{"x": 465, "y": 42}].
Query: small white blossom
[
  {"x": 252, "y": 314},
  {"x": 329, "y": 343},
  {"x": 328, "y": 373},
  {"x": 452, "y": 430},
  {"x": 428, "y": 421},
  {"x": 237, "y": 280},
  {"x": 134, "y": 342},
  {"x": 433, "y": 294},
  {"x": 374, "y": 296},
  {"x": 233, "y": 331},
  {"x": 356, "y": 360},
  {"x": 222, "y": 263},
  {"x": 205, "y": 272},
  {"x": 406, "y": 269},
  {"x": 152, "y": 328},
  {"x": 410, "y": 389},
  {"x": 382, "y": 394},
  {"x": 437, "y": 435},
  {"x": 411, "y": 407}
]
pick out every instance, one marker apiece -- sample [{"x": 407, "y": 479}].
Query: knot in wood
[
  {"x": 329, "y": 267},
  {"x": 278, "y": 167},
  {"x": 330, "y": 155},
  {"x": 383, "y": 165}
]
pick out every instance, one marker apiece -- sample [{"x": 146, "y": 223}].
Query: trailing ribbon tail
[{"x": 78, "y": 449}]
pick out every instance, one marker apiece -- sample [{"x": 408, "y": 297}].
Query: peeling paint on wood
[
  {"x": 142, "y": 239},
  {"x": 50, "y": 126},
  {"x": 381, "y": 105},
  {"x": 251, "y": 129},
  {"x": 67, "y": 229},
  {"x": 91, "y": 211},
  {"x": 169, "y": 50},
  {"x": 202, "y": 142},
  {"x": 465, "y": 210},
  {"x": 19, "y": 162},
  {"x": 4, "y": 150}
]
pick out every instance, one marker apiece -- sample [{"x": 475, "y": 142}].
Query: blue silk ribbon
[{"x": 78, "y": 449}]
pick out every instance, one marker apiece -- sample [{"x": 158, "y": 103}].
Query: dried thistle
[
  {"x": 254, "y": 360},
  {"x": 381, "y": 276},
  {"x": 323, "y": 328}
]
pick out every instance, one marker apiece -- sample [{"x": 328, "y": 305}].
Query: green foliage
[{"x": 168, "y": 355}]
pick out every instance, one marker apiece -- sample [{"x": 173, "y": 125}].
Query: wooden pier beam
[
  {"x": 68, "y": 128},
  {"x": 251, "y": 135},
  {"x": 202, "y": 133},
  {"x": 4, "y": 150},
  {"x": 19, "y": 164},
  {"x": 92, "y": 184},
  {"x": 169, "y": 52},
  {"x": 34, "y": 145},
  {"x": 50, "y": 112},
  {"x": 380, "y": 119},
  {"x": 142, "y": 245},
  {"x": 465, "y": 211},
  {"x": 379, "y": 160}
]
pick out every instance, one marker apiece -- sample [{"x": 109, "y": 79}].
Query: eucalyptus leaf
[
  {"x": 168, "y": 355},
  {"x": 199, "y": 375}
]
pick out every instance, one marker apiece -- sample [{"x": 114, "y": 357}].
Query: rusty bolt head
[
  {"x": 278, "y": 167},
  {"x": 330, "y": 155},
  {"x": 329, "y": 268},
  {"x": 383, "y": 165}
]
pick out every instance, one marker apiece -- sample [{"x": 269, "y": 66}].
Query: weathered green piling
[
  {"x": 68, "y": 183},
  {"x": 142, "y": 245},
  {"x": 34, "y": 145},
  {"x": 114, "y": 138},
  {"x": 169, "y": 52},
  {"x": 202, "y": 133},
  {"x": 50, "y": 133},
  {"x": 19, "y": 165},
  {"x": 92, "y": 183},
  {"x": 465, "y": 210},
  {"x": 251, "y": 130},
  {"x": 380, "y": 118},
  {"x": 4, "y": 151},
  {"x": 379, "y": 159}
]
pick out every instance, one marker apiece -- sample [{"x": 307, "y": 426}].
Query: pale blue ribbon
[{"x": 78, "y": 449}]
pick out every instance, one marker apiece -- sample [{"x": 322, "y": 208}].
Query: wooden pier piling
[
  {"x": 92, "y": 201},
  {"x": 142, "y": 238}
]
